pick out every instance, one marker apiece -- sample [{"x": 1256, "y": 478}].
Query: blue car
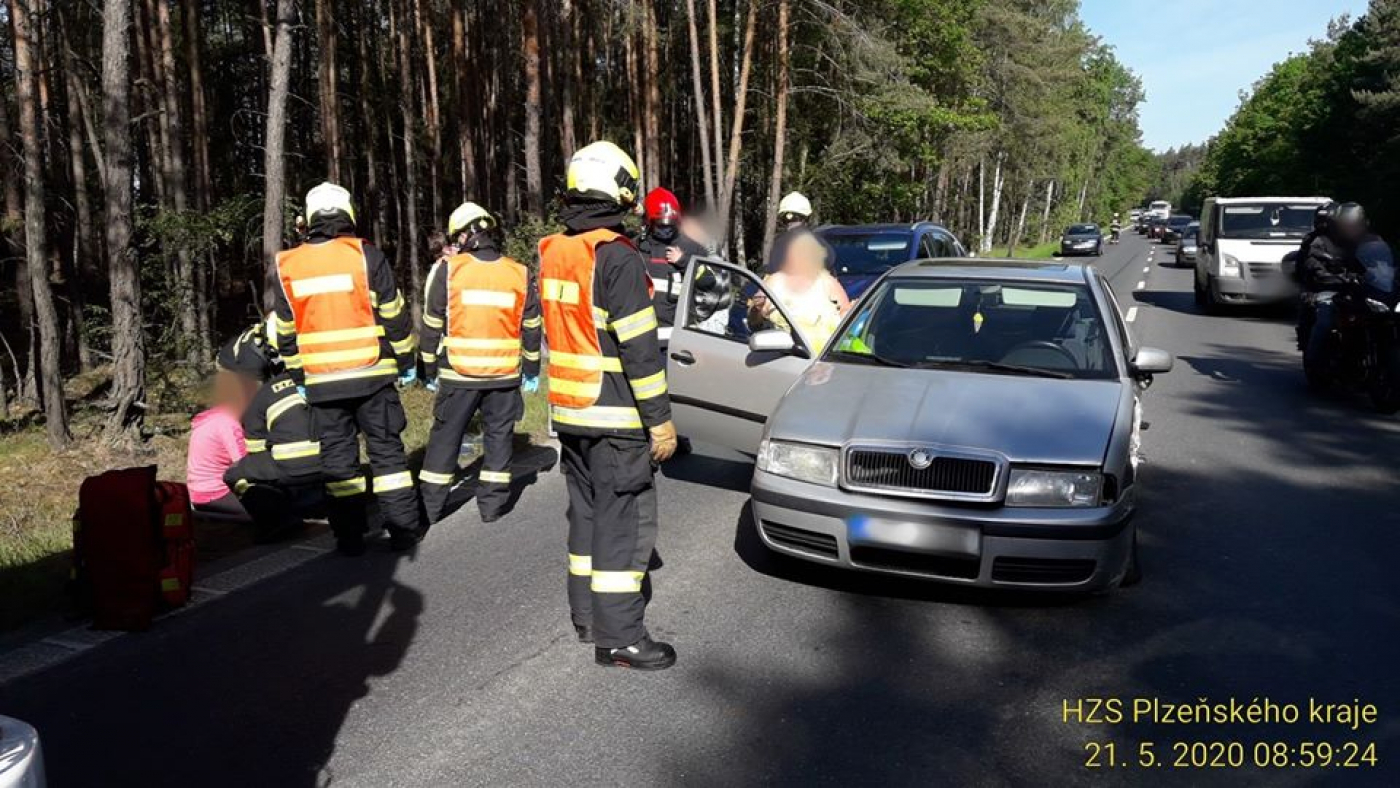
[{"x": 864, "y": 252}]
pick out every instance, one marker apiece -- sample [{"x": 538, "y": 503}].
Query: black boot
[
  {"x": 584, "y": 632},
  {"x": 645, "y": 654},
  {"x": 348, "y": 521},
  {"x": 401, "y": 539}
]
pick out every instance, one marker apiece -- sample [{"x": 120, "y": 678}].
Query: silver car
[{"x": 974, "y": 423}]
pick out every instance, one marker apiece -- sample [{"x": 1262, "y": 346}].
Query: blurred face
[
  {"x": 805, "y": 257},
  {"x": 1351, "y": 229},
  {"x": 233, "y": 392}
]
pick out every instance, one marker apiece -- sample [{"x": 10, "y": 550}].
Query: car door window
[
  {"x": 722, "y": 301},
  {"x": 929, "y": 247}
]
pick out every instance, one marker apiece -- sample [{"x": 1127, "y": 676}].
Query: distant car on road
[
  {"x": 1156, "y": 226},
  {"x": 970, "y": 422},
  {"x": 1186, "y": 249},
  {"x": 865, "y": 252},
  {"x": 1171, "y": 231},
  {"x": 1081, "y": 239}
]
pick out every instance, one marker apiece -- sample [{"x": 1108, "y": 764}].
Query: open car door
[{"x": 726, "y": 372}]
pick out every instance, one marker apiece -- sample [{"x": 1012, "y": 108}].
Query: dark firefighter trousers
[
  {"x": 612, "y": 534},
  {"x": 380, "y": 418},
  {"x": 452, "y": 414}
]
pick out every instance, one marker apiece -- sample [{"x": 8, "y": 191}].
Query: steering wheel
[{"x": 1043, "y": 344}]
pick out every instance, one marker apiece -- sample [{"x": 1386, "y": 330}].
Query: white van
[
  {"x": 1160, "y": 209},
  {"x": 1243, "y": 241}
]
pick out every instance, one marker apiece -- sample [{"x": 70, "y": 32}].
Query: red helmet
[{"x": 662, "y": 207}]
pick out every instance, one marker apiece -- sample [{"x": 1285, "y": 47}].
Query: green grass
[
  {"x": 41, "y": 487},
  {"x": 1043, "y": 251}
]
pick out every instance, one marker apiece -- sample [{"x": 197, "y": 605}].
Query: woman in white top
[{"x": 810, "y": 295}]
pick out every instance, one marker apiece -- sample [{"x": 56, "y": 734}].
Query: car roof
[
  {"x": 1252, "y": 200},
  {"x": 886, "y": 227},
  {"x": 995, "y": 268}
]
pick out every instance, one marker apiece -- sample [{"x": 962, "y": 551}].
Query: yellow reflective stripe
[
  {"x": 429, "y": 477},
  {"x": 428, "y": 357},
  {"x": 393, "y": 308},
  {"x": 616, "y": 582},
  {"x": 496, "y": 298},
  {"x": 635, "y": 325},
  {"x": 649, "y": 386},
  {"x": 393, "y": 481},
  {"x": 576, "y": 388},
  {"x": 531, "y": 355},
  {"x": 589, "y": 363},
  {"x": 282, "y": 406},
  {"x": 255, "y": 445},
  {"x": 342, "y": 335},
  {"x": 561, "y": 290},
  {"x": 292, "y": 362},
  {"x": 286, "y": 327},
  {"x": 346, "y": 488},
  {"x": 580, "y": 565},
  {"x": 432, "y": 322},
  {"x": 448, "y": 373},
  {"x": 532, "y": 322},
  {"x": 335, "y": 356},
  {"x": 296, "y": 450},
  {"x": 482, "y": 344},
  {"x": 600, "y": 316},
  {"x": 494, "y": 477},
  {"x": 598, "y": 416},
  {"x": 405, "y": 345},
  {"x": 486, "y": 362},
  {"x": 170, "y": 584},
  {"x": 384, "y": 367}
]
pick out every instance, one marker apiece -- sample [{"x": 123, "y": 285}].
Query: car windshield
[
  {"x": 1010, "y": 328},
  {"x": 1083, "y": 229},
  {"x": 1266, "y": 220},
  {"x": 1180, "y": 221},
  {"x": 1159, "y": 206},
  {"x": 1191, "y": 233},
  {"x": 869, "y": 253}
]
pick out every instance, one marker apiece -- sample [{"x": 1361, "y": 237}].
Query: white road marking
[
  {"x": 1147, "y": 270},
  {"x": 1141, "y": 285},
  {"x": 1132, "y": 314}
]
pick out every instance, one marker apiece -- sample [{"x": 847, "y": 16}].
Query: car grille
[
  {"x": 917, "y": 563},
  {"x": 1043, "y": 571},
  {"x": 890, "y": 470},
  {"x": 1263, "y": 270},
  {"x": 797, "y": 539}
]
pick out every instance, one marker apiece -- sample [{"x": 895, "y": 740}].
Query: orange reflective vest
[
  {"x": 571, "y": 322},
  {"x": 485, "y": 303},
  {"x": 327, "y": 287}
]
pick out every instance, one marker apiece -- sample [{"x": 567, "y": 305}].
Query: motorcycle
[
  {"x": 1362, "y": 350},
  {"x": 1114, "y": 234}
]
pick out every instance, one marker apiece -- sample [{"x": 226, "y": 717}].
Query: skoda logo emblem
[{"x": 921, "y": 459}]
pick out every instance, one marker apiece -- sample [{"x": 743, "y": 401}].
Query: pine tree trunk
[
  {"x": 84, "y": 249},
  {"x": 736, "y": 131},
  {"x": 775, "y": 183},
  {"x": 431, "y": 107},
  {"x": 530, "y": 45},
  {"x": 199, "y": 110},
  {"x": 409, "y": 195},
  {"x": 998, "y": 183},
  {"x": 657, "y": 174},
  {"x": 328, "y": 87},
  {"x": 1045, "y": 216},
  {"x": 571, "y": 82},
  {"x": 197, "y": 348},
  {"x": 701, "y": 123},
  {"x": 35, "y": 239},
  {"x": 716, "y": 113},
  {"x": 274, "y": 146},
  {"x": 26, "y": 384}
]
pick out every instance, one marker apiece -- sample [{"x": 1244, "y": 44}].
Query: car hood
[
  {"x": 1270, "y": 250},
  {"x": 1031, "y": 420}
]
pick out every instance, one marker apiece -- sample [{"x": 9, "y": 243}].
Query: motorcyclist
[
  {"x": 1327, "y": 265},
  {"x": 1115, "y": 228}
]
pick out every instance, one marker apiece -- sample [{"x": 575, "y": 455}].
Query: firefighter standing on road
[
  {"x": 345, "y": 335},
  {"x": 667, "y": 252},
  {"x": 607, "y": 394},
  {"x": 482, "y": 307}
]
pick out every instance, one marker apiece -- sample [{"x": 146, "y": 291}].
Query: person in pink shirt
[{"x": 216, "y": 443}]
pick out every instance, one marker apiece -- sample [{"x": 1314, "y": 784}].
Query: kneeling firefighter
[
  {"x": 607, "y": 394},
  {"x": 482, "y": 318},
  {"x": 345, "y": 335}
]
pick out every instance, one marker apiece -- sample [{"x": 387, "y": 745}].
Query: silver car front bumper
[{"x": 989, "y": 547}]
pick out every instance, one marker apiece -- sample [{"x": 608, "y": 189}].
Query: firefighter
[
  {"x": 607, "y": 395},
  {"x": 345, "y": 335},
  {"x": 481, "y": 316},
  {"x": 794, "y": 219},
  {"x": 277, "y": 481},
  {"x": 667, "y": 252}
]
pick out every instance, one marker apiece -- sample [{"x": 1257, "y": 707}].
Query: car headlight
[
  {"x": 1054, "y": 488},
  {"x": 800, "y": 461},
  {"x": 1230, "y": 266}
]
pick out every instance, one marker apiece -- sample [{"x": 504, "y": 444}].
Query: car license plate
[{"x": 932, "y": 537}]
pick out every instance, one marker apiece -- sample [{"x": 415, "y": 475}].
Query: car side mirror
[
  {"x": 1151, "y": 361},
  {"x": 771, "y": 341}
]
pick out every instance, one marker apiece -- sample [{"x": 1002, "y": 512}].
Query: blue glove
[
  {"x": 431, "y": 385},
  {"x": 530, "y": 384},
  {"x": 302, "y": 391},
  {"x": 408, "y": 377}
]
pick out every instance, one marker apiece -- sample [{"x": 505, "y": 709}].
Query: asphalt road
[{"x": 1269, "y": 534}]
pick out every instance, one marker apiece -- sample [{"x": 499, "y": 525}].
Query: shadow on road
[
  {"x": 185, "y": 705},
  {"x": 711, "y": 471}
]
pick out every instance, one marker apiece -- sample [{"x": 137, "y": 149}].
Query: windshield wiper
[
  {"x": 872, "y": 358},
  {"x": 993, "y": 366}
]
